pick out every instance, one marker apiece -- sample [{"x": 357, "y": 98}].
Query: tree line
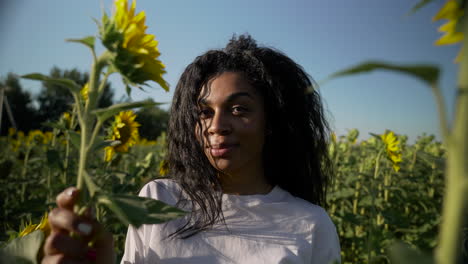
[{"x": 30, "y": 112}]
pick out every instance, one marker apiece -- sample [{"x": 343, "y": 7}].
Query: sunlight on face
[{"x": 233, "y": 124}]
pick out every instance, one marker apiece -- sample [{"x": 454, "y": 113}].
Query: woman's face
[{"x": 233, "y": 124}]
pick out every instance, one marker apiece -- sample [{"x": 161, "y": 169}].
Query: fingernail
[
  {"x": 84, "y": 228},
  {"x": 71, "y": 192}
]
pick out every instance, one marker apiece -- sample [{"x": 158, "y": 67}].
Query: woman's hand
[{"x": 60, "y": 247}]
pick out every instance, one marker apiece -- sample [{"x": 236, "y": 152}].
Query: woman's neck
[{"x": 242, "y": 184}]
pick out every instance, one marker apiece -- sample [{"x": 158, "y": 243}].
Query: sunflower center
[{"x": 125, "y": 133}]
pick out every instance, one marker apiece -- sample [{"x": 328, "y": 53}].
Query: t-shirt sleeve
[
  {"x": 136, "y": 249},
  {"x": 325, "y": 242}
]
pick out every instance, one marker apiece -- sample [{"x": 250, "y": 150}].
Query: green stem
[
  {"x": 373, "y": 209},
  {"x": 87, "y": 118},
  {"x": 67, "y": 154},
  {"x": 377, "y": 164},
  {"x": 456, "y": 200},
  {"x": 24, "y": 171},
  {"x": 97, "y": 127},
  {"x": 104, "y": 81},
  {"x": 443, "y": 123}
]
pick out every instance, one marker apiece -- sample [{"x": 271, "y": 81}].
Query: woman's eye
[
  {"x": 239, "y": 110},
  {"x": 204, "y": 113}
]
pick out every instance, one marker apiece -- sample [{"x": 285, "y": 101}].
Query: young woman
[{"x": 247, "y": 144}]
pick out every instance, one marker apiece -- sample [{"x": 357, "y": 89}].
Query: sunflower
[
  {"x": 34, "y": 136},
  {"x": 125, "y": 130},
  {"x": 451, "y": 11},
  {"x": 66, "y": 120},
  {"x": 392, "y": 146},
  {"x": 135, "y": 53},
  {"x": 43, "y": 226},
  {"x": 11, "y": 131},
  {"x": 47, "y": 137}
]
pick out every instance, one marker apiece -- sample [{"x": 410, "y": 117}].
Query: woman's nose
[{"x": 219, "y": 124}]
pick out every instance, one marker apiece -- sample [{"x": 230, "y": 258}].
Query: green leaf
[
  {"x": 418, "y": 6},
  {"x": 92, "y": 187},
  {"x": 104, "y": 114},
  {"x": 23, "y": 249},
  {"x": 137, "y": 210},
  {"x": 403, "y": 254},
  {"x": 53, "y": 159},
  {"x": 425, "y": 73},
  {"x": 100, "y": 143},
  {"x": 87, "y": 41},
  {"x": 67, "y": 83},
  {"x": 54, "y": 125},
  {"x": 75, "y": 139}
]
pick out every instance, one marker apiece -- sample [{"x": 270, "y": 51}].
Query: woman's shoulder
[
  {"x": 315, "y": 214},
  {"x": 163, "y": 189}
]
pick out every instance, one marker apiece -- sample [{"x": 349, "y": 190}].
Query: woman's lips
[{"x": 221, "y": 150}]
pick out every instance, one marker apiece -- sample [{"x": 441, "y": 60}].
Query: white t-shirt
[{"x": 272, "y": 228}]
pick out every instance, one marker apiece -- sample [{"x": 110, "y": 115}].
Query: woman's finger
[
  {"x": 63, "y": 219},
  {"x": 68, "y": 198},
  {"x": 59, "y": 243}
]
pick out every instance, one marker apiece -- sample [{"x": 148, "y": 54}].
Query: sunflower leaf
[
  {"x": 137, "y": 210},
  {"x": 426, "y": 73},
  {"x": 104, "y": 114},
  {"x": 402, "y": 253},
  {"x": 101, "y": 143},
  {"x": 54, "y": 125},
  {"x": 75, "y": 139},
  {"x": 67, "y": 83},
  {"x": 53, "y": 159},
  {"x": 23, "y": 249},
  {"x": 418, "y": 6},
  {"x": 92, "y": 187},
  {"x": 87, "y": 41}
]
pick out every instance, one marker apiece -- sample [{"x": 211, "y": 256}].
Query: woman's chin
[{"x": 224, "y": 166}]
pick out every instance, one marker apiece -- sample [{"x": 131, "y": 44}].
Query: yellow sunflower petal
[
  {"x": 109, "y": 153},
  {"x": 392, "y": 147},
  {"x": 449, "y": 39},
  {"x": 11, "y": 131},
  {"x": 27, "y": 230},
  {"x": 139, "y": 47},
  {"x": 124, "y": 129},
  {"x": 85, "y": 91},
  {"x": 450, "y": 10}
]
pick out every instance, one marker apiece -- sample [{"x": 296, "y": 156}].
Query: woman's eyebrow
[{"x": 230, "y": 98}]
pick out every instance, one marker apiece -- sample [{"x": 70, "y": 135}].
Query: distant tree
[
  {"x": 153, "y": 121},
  {"x": 21, "y": 104},
  {"x": 54, "y": 100}
]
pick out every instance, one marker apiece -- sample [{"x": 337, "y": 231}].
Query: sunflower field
[
  {"x": 392, "y": 201},
  {"x": 385, "y": 189},
  {"x": 36, "y": 166}
]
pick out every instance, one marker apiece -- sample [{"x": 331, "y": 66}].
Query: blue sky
[{"x": 322, "y": 36}]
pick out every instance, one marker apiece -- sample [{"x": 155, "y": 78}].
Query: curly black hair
[{"x": 295, "y": 153}]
